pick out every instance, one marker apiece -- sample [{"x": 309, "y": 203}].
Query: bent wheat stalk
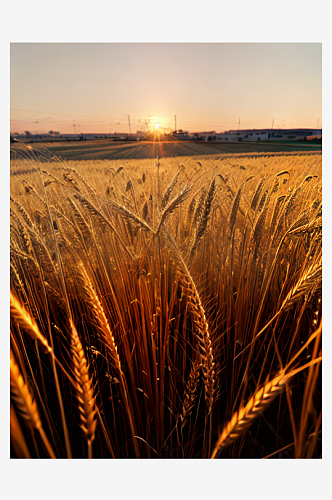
[
  {"x": 20, "y": 314},
  {"x": 125, "y": 212},
  {"x": 202, "y": 333},
  {"x": 172, "y": 205},
  {"x": 25, "y": 403},
  {"x": 257, "y": 404},
  {"x": 25, "y": 320},
  {"x": 100, "y": 315}
]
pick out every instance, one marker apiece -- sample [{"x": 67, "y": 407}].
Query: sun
[{"x": 157, "y": 125}]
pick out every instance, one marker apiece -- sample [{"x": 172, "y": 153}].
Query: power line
[
  {"x": 63, "y": 114},
  {"x": 118, "y": 119}
]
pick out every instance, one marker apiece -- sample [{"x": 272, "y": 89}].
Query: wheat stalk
[
  {"x": 275, "y": 213},
  {"x": 243, "y": 418},
  {"x": 257, "y": 230},
  {"x": 25, "y": 403},
  {"x": 130, "y": 215},
  {"x": 89, "y": 188},
  {"x": 203, "y": 334},
  {"x": 23, "y": 318},
  {"x": 263, "y": 202},
  {"x": 100, "y": 315},
  {"x": 235, "y": 208},
  {"x": 172, "y": 205},
  {"x": 111, "y": 346},
  {"x": 257, "y": 404},
  {"x": 306, "y": 282},
  {"x": 84, "y": 388},
  {"x": 23, "y": 212},
  {"x": 204, "y": 219},
  {"x": 169, "y": 190},
  {"x": 257, "y": 193}
]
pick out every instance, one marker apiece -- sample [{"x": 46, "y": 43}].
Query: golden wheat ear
[
  {"x": 202, "y": 329},
  {"x": 190, "y": 393},
  {"x": 25, "y": 403},
  {"x": 16, "y": 436},
  {"x": 103, "y": 322},
  {"x": 169, "y": 190},
  {"x": 243, "y": 419},
  {"x": 84, "y": 389},
  {"x": 109, "y": 341},
  {"x": 205, "y": 217},
  {"x": 25, "y": 320}
]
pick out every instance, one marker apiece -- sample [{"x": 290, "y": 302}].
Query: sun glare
[{"x": 157, "y": 125}]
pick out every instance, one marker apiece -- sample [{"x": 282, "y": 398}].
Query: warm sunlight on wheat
[{"x": 166, "y": 308}]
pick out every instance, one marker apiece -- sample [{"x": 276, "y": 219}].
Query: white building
[
  {"x": 235, "y": 136},
  {"x": 259, "y": 135},
  {"x": 206, "y": 136}
]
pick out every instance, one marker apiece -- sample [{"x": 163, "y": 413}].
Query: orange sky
[{"x": 209, "y": 86}]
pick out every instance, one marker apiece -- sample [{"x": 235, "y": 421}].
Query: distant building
[
  {"x": 298, "y": 134},
  {"x": 181, "y": 135},
  {"x": 255, "y": 135},
  {"x": 206, "y": 136},
  {"x": 242, "y": 136}
]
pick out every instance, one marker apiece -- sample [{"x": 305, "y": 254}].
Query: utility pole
[
  {"x": 239, "y": 122},
  {"x": 175, "y": 122},
  {"x": 126, "y": 114},
  {"x": 317, "y": 123},
  {"x": 272, "y": 122},
  {"x": 74, "y": 128}
]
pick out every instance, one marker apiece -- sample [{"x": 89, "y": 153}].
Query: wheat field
[{"x": 166, "y": 308}]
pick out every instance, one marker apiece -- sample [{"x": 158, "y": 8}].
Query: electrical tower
[{"x": 126, "y": 114}]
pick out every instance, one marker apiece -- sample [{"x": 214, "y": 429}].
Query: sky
[{"x": 93, "y": 87}]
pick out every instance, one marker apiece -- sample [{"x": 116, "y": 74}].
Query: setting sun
[{"x": 157, "y": 125}]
